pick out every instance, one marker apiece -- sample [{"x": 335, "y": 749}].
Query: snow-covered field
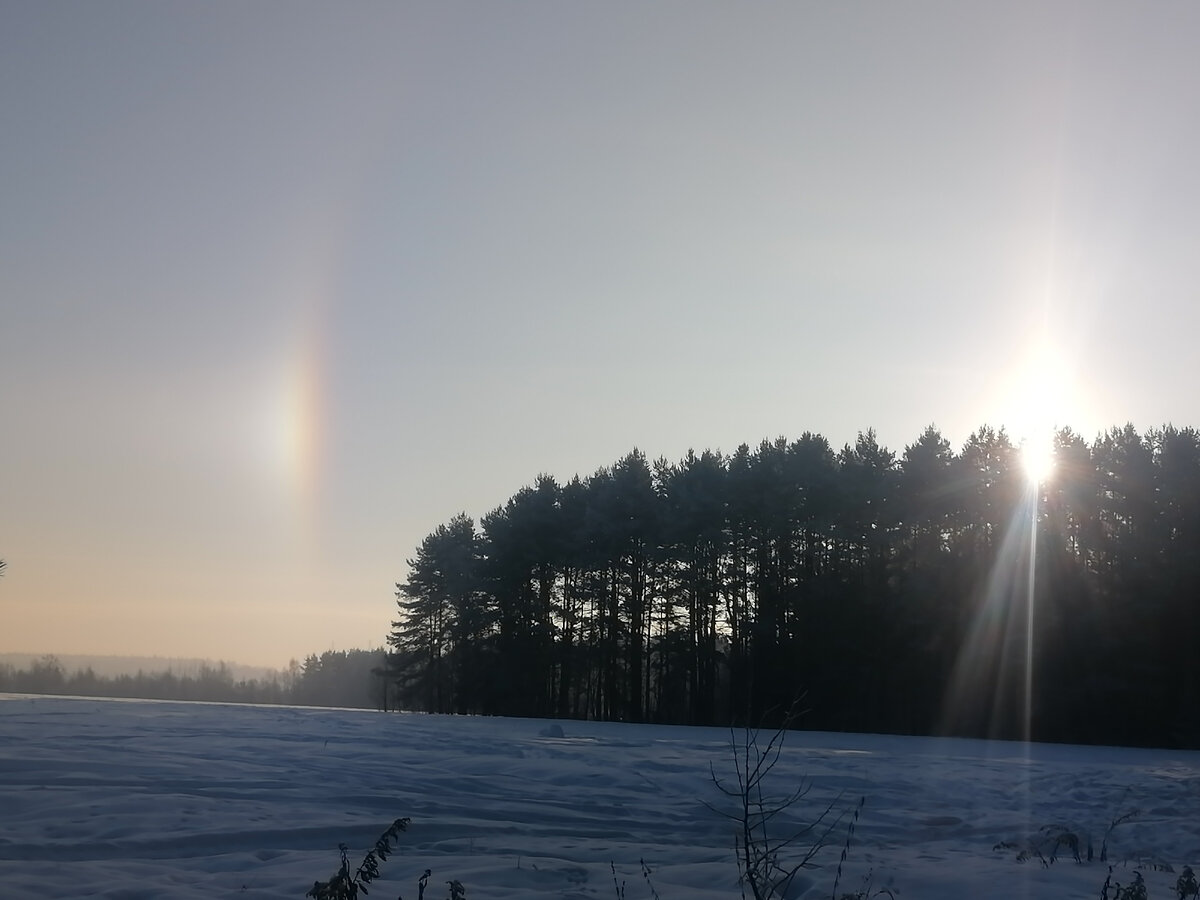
[{"x": 134, "y": 799}]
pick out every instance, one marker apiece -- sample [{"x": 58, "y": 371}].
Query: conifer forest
[{"x": 929, "y": 591}]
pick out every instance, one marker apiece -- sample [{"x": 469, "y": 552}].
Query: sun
[
  {"x": 1037, "y": 457},
  {"x": 1039, "y": 398}
]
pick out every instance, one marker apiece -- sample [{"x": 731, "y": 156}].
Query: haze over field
[
  {"x": 109, "y": 666},
  {"x": 286, "y": 286}
]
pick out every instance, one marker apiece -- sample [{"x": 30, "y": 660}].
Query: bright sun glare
[
  {"x": 1041, "y": 396},
  {"x": 1037, "y": 456}
]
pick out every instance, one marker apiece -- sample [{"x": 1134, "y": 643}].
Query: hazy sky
[{"x": 287, "y": 285}]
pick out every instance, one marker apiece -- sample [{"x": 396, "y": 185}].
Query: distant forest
[
  {"x": 344, "y": 678},
  {"x": 891, "y": 592}
]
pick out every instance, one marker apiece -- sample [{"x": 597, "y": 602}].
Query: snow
[{"x": 142, "y": 799}]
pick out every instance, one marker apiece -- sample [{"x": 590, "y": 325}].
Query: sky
[{"x": 285, "y": 286}]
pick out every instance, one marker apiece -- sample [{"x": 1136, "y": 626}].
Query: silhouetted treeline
[
  {"x": 890, "y": 590},
  {"x": 347, "y": 678}
]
